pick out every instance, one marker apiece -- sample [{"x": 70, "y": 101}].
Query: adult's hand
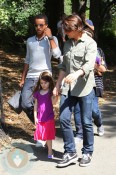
[
  {"x": 48, "y": 32},
  {"x": 73, "y": 76},
  {"x": 70, "y": 78},
  {"x": 56, "y": 91}
]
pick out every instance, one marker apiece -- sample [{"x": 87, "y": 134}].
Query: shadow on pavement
[{"x": 38, "y": 153}]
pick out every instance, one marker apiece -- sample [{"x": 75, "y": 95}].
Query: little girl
[{"x": 43, "y": 110}]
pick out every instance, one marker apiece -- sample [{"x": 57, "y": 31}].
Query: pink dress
[{"x": 45, "y": 129}]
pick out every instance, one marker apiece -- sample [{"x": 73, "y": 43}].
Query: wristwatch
[{"x": 50, "y": 37}]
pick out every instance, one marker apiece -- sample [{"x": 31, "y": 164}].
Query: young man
[
  {"x": 40, "y": 49},
  {"x": 77, "y": 71}
]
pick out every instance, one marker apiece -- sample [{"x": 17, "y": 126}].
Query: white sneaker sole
[
  {"x": 84, "y": 165},
  {"x": 100, "y": 134},
  {"x": 68, "y": 163}
]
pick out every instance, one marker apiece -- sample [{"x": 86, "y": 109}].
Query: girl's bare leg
[{"x": 49, "y": 144}]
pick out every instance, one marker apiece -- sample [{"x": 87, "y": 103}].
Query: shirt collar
[
  {"x": 44, "y": 37},
  {"x": 83, "y": 37}
]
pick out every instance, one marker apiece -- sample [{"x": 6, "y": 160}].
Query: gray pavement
[{"x": 23, "y": 158}]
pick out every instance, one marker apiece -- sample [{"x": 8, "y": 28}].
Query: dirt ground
[{"x": 19, "y": 126}]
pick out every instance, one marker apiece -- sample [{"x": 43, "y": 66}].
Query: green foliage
[
  {"x": 14, "y": 14},
  {"x": 67, "y": 7},
  {"x": 110, "y": 26},
  {"x": 110, "y": 21},
  {"x": 107, "y": 40}
]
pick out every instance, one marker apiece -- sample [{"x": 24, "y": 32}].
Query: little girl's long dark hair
[{"x": 46, "y": 76}]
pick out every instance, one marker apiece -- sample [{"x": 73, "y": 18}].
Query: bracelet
[{"x": 50, "y": 37}]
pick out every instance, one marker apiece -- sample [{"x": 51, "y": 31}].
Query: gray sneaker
[
  {"x": 100, "y": 130},
  {"x": 85, "y": 160},
  {"x": 67, "y": 159}
]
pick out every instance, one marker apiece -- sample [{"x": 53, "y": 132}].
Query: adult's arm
[
  {"x": 88, "y": 66},
  {"x": 25, "y": 69},
  {"x": 90, "y": 57},
  {"x": 53, "y": 43},
  {"x": 71, "y": 77},
  {"x": 101, "y": 68},
  {"x": 61, "y": 76},
  {"x": 26, "y": 64}
]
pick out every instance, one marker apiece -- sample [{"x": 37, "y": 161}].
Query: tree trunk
[
  {"x": 95, "y": 15},
  {"x": 83, "y": 7},
  {"x": 75, "y": 6},
  {"x": 1, "y": 104},
  {"x": 54, "y": 9},
  {"x": 78, "y": 7}
]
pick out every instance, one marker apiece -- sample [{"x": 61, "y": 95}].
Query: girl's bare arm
[{"x": 35, "y": 112}]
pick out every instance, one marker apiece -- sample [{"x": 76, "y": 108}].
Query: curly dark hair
[{"x": 41, "y": 16}]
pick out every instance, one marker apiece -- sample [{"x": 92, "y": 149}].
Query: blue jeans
[
  {"x": 96, "y": 115},
  {"x": 27, "y": 97},
  {"x": 78, "y": 123},
  {"x": 67, "y": 104}
]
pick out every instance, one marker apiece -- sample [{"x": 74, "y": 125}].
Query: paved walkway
[{"x": 24, "y": 159}]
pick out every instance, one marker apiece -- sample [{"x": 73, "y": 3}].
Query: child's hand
[
  {"x": 36, "y": 121},
  {"x": 54, "y": 99}
]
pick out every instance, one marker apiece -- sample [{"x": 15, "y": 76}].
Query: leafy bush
[
  {"x": 15, "y": 17},
  {"x": 107, "y": 40}
]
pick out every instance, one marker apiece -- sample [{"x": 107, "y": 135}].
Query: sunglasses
[{"x": 39, "y": 25}]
